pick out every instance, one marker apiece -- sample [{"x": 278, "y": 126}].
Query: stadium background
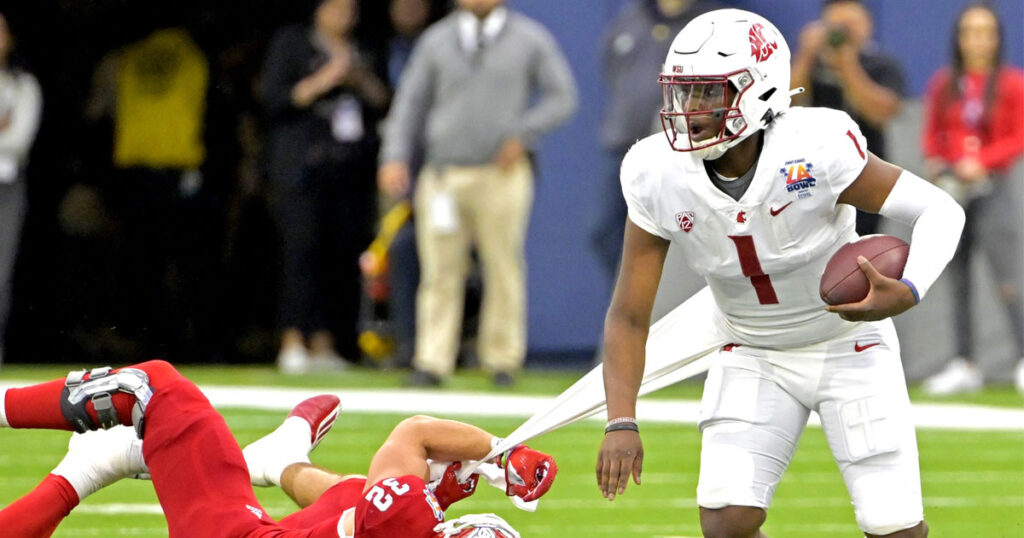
[
  {"x": 972, "y": 479},
  {"x": 63, "y": 41}
]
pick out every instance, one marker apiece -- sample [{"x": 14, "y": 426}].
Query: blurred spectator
[
  {"x": 155, "y": 91},
  {"x": 20, "y": 108},
  {"x": 408, "y": 19},
  {"x": 973, "y": 136},
  {"x": 841, "y": 67},
  {"x": 323, "y": 101},
  {"x": 468, "y": 92},
  {"x": 633, "y": 48}
]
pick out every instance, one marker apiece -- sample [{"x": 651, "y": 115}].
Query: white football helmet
[
  {"x": 725, "y": 77},
  {"x": 476, "y": 526}
]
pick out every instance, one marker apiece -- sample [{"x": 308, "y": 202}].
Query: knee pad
[{"x": 98, "y": 386}]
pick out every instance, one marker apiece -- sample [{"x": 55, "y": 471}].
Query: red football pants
[{"x": 198, "y": 470}]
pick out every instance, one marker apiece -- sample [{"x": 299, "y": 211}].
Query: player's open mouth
[{"x": 700, "y": 129}]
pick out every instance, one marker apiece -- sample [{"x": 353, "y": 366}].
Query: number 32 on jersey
[{"x": 381, "y": 498}]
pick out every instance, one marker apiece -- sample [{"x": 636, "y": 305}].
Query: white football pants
[{"x": 757, "y": 401}]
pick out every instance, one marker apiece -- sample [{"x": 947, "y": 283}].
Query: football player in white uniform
[{"x": 758, "y": 196}]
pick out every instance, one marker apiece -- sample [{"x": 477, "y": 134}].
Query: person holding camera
[{"x": 841, "y": 67}]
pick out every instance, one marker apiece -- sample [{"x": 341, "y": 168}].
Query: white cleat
[
  {"x": 99, "y": 458},
  {"x": 959, "y": 376},
  {"x": 292, "y": 441}
]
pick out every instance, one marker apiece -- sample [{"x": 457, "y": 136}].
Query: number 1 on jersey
[{"x": 751, "y": 267}]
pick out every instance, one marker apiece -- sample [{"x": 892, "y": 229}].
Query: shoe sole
[{"x": 320, "y": 412}]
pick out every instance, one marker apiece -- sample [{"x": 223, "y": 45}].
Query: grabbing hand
[
  {"x": 886, "y": 298},
  {"x": 450, "y": 490},
  {"x": 528, "y": 473},
  {"x": 621, "y": 453}
]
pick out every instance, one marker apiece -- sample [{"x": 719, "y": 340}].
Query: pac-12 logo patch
[
  {"x": 799, "y": 178},
  {"x": 760, "y": 48},
  {"x": 685, "y": 220}
]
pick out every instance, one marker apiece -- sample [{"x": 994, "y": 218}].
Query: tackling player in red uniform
[{"x": 203, "y": 481}]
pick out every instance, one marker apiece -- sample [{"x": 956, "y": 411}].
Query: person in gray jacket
[
  {"x": 21, "y": 104},
  {"x": 482, "y": 85},
  {"x": 632, "y": 49}
]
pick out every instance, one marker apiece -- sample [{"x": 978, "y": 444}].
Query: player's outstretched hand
[
  {"x": 621, "y": 453},
  {"x": 451, "y": 490},
  {"x": 528, "y": 473},
  {"x": 886, "y": 298}
]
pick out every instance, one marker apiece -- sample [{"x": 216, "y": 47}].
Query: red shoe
[
  {"x": 320, "y": 412},
  {"x": 292, "y": 441}
]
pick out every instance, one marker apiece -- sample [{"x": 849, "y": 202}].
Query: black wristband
[{"x": 630, "y": 426}]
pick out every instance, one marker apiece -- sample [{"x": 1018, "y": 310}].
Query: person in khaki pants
[{"x": 466, "y": 97}]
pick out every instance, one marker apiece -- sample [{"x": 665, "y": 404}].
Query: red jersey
[{"x": 402, "y": 506}]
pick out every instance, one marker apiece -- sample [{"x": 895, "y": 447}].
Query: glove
[
  {"x": 449, "y": 490},
  {"x": 528, "y": 473}
]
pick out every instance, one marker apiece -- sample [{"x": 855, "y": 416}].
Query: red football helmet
[{"x": 476, "y": 526}]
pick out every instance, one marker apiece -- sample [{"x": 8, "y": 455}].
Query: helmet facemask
[{"x": 701, "y": 113}]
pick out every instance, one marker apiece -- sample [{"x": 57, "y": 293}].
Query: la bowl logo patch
[
  {"x": 685, "y": 220},
  {"x": 434, "y": 505},
  {"x": 760, "y": 48},
  {"x": 799, "y": 178}
]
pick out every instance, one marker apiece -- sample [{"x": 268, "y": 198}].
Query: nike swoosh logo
[
  {"x": 774, "y": 212},
  {"x": 858, "y": 348}
]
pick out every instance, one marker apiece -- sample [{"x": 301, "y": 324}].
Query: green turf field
[{"x": 973, "y": 482}]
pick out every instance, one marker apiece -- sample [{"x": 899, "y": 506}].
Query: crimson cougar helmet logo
[{"x": 760, "y": 48}]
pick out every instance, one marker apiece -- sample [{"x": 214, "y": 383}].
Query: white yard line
[
  {"x": 599, "y": 504},
  {"x": 406, "y": 401}
]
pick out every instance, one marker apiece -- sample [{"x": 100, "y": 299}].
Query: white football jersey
[{"x": 764, "y": 254}]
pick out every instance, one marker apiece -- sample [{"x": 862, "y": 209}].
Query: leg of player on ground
[
  {"x": 37, "y": 514},
  {"x": 93, "y": 461},
  {"x": 292, "y": 441},
  {"x": 197, "y": 468},
  {"x": 305, "y": 483}
]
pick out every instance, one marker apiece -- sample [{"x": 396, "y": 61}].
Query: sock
[
  {"x": 268, "y": 456},
  {"x": 97, "y": 459},
  {"x": 3, "y": 415},
  {"x": 78, "y": 476},
  {"x": 37, "y": 514},
  {"x": 295, "y": 433}
]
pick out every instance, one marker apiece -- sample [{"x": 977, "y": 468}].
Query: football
[{"x": 843, "y": 281}]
